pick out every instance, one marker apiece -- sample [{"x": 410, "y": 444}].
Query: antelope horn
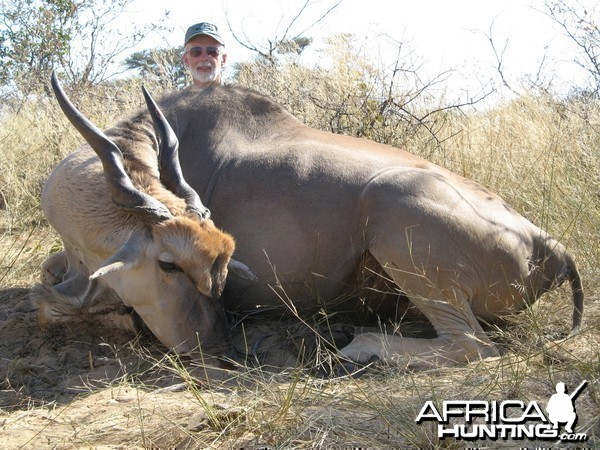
[
  {"x": 171, "y": 175},
  {"x": 124, "y": 194}
]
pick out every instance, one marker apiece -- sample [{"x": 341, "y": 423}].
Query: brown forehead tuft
[{"x": 192, "y": 235}]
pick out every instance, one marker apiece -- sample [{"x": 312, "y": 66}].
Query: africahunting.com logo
[{"x": 508, "y": 419}]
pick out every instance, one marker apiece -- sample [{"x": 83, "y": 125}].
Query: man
[{"x": 204, "y": 54}]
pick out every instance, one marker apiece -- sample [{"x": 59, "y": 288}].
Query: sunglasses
[{"x": 195, "y": 52}]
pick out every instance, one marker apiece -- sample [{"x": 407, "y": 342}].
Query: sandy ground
[{"x": 82, "y": 385}]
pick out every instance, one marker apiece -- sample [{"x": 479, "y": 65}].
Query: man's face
[{"x": 204, "y": 65}]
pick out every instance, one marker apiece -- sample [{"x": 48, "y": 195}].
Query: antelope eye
[{"x": 168, "y": 267}]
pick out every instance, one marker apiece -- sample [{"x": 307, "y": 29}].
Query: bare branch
[
  {"x": 277, "y": 42},
  {"x": 319, "y": 20},
  {"x": 499, "y": 57}
]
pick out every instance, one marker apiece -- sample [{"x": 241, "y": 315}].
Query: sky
[{"x": 441, "y": 35}]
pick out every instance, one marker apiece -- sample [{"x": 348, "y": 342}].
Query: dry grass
[{"x": 542, "y": 156}]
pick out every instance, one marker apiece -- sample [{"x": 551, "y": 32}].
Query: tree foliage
[
  {"x": 34, "y": 37},
  {"x": 163, "y": 66},
  {"x": 81, "y": 38}
]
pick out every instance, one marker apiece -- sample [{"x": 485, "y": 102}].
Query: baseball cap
[{"x": 203, "y": 28}]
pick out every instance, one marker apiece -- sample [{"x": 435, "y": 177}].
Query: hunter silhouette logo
[
  {"x": 561, "y": 407},
  {"x": 508, "y": 419}
]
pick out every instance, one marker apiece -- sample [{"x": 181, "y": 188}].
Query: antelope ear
[
  {"x": 241, "y": 270},
  {"x": 127, "y": 257},
  {"x": 218, "y": 274}
]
